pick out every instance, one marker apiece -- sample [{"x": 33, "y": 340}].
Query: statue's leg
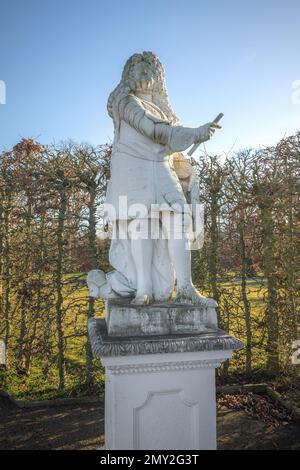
[
  {"x": 177, "y": 230},
  {"x": 142, "y": 252}
]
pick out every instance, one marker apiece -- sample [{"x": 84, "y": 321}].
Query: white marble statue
[{"x": 153, "y": 178}]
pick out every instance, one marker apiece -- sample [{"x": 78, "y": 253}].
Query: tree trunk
[
  {"x": 22, "y": 334},
  {"x": 213, "y": 251},
  {"x": 269, "y": 254},
  {"x": 6, "y": 267},
  {"x": 58, "y": 285},
  {"x": 26, "y": 288},
  {"x": 38, "y": 306},
  {"x": 245, "y": 300},
  {"x": 93, "y": 264},
  {"x": 2, "y": 322}
]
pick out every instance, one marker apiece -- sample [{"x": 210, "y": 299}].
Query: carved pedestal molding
[{"x": 160, "y": 390}]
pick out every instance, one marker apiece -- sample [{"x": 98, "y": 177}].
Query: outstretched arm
[{"x": 177, "y": 138}]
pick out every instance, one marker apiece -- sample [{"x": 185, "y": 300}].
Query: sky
[{"x": 60, "y": 59}]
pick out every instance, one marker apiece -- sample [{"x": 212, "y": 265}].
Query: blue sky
[{"x": 61, "y": 59}]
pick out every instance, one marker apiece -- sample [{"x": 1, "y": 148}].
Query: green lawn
[{"x": 42, "y": 382}]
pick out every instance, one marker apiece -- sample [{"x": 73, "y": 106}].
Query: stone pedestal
[
  {"x": 124, "y": 319},
  {"x": 160, "y": 389}
]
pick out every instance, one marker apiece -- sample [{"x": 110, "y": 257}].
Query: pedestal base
[
  {"x": 160, "y": 391},
  {"x": 125, "y": 319}
]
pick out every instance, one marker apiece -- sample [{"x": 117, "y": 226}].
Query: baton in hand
[{"x": 195, "y": 146}]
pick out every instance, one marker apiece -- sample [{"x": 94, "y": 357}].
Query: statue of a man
[{"x": 145, "y": 150}]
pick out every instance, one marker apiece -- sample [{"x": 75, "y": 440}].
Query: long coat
[{"x": 141, "y": 172}]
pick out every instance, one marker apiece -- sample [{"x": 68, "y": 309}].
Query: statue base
[
  {"x": 160, "y": 389},
  {"x": 125, "y": 319}
]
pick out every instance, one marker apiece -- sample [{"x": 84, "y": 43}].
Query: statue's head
[{"x": 144, "y": 73}]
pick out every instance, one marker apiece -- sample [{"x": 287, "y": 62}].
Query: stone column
[{"x": 160, "y": 388}]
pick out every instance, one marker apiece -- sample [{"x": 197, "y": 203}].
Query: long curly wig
[{"x": 128, "y": 84}]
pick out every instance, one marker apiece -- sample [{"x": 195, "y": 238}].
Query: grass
[{"x": 42, "y": 381}]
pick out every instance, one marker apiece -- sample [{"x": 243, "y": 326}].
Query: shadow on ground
[
  {"x": 237, "y": 430},
  {"x": 66, "y": 427},
  {"x": 82, "y": 426}
]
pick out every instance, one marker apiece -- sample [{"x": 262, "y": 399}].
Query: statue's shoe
[
  {"x": 191, "y": 296},
  {"x": 142, "y": 300}
]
